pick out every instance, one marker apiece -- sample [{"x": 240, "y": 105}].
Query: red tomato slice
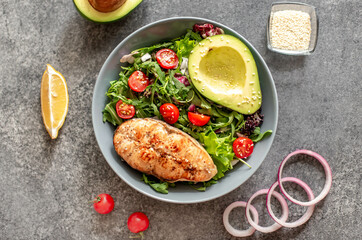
[
  {"x": 124, "y": 110},
  {"x": 138, "y": 222},
  {"x": 170, "y": 113},
  {"x": 243, "y": 147},
  {"x": 167, "y": 58},
  {"x": 103, "y": 203},
  {"x": 198, "y": 119},
  {"x": 138, "y": 81}
]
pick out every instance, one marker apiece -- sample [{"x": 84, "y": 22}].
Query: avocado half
[
  {"x": 87, "y": 11},
  {"x": 223, "y": 69}
]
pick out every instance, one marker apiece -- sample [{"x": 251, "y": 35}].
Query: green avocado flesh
[
  {"x": 87, "y": 11},
  {"x": 223, "y": 69}
]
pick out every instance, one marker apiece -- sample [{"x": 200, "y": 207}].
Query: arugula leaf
[
  {"x": 241, "y": 160},
  {"x": 224, "y": 121},
  {"x": 154, "y": 47},
  {"x": 205, "y": 185},
  {"x": 161, "y": 187},
  {"x": 193, "y": 35},
  {"x": 257, "y": 136},
  {"x": 110, "y": 115},
  {"x": 200, "y": 101}
]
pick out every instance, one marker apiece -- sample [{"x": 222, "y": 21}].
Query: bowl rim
[{"x": 262, "y": 61}]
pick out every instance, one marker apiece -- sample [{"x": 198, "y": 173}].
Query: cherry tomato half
[
  {"x": 124, "y": 110},
  {"x": 167, "y": 58},
  {"x": 138, "y": 81},
  {"x": 138, "y": 222},
  {"x": 170, "y": 113},
  {"x": 243, "y": 147},
  {"x": 198, "y": 119},
  {"x": 103, "y": 203}
]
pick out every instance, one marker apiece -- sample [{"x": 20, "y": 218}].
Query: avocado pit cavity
[
  {"x": 217, "y": 66},
  {"x": 106, "y": 5}
]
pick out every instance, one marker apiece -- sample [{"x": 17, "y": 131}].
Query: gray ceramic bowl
[{"x": 155, "y": 33}]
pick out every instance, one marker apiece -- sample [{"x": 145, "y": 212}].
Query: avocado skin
[
  {"x": 104, "y": 22},
  {"x": 237, "y": 89}
]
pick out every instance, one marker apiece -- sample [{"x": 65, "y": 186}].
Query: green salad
[{"x": 174, "y": 86}]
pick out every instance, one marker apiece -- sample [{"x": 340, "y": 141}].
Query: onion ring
[
  {"x": 239, "y": 233},
  {"x": 275, "y": 226},
  {"x": 327, "y": 185},
  {"x": 306, "y": 215}
]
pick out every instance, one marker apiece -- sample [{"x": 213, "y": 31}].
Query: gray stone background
[{"x": 45, "y": 185}]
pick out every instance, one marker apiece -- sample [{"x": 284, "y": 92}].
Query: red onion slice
[
  {"x": 275, "y": 226},
  {"x": 327, "y": 185},
  {"x": 192, "y": 108},
  {"x": 306, "y": 215},
  {"x": 239, "y": 233}
]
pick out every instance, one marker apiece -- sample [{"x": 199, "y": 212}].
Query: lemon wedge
[{"x": 54, "y": 100}]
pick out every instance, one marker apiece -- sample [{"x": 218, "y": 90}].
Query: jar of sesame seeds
[{"x": 292, "y": 28}]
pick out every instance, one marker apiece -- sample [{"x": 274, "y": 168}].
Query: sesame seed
[
  {"x": 248, "y": 60},
  {"x": 253, "y": 74},
  {"x": 290, "y": 30},
  {"x": 251, "y": 83}
]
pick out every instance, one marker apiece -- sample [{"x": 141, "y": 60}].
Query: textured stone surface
[{"x": 45, "y": 185}]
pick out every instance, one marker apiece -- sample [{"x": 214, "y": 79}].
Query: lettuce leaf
[
  {"x": 183, "y": 47},
  {"x": 220, "y": 150}
]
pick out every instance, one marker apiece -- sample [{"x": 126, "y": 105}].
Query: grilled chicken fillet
[{"x": 156, "y": 148}]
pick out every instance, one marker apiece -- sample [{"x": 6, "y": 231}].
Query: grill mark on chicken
[{"x": 154, "y": 147}]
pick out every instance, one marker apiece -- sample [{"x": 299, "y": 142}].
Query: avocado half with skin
[
  {"x": 223, "y": 70},
  {"x": 105, "y": 14}
]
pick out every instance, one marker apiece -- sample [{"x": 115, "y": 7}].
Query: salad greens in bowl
[{"x": 156, "y": 73}]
